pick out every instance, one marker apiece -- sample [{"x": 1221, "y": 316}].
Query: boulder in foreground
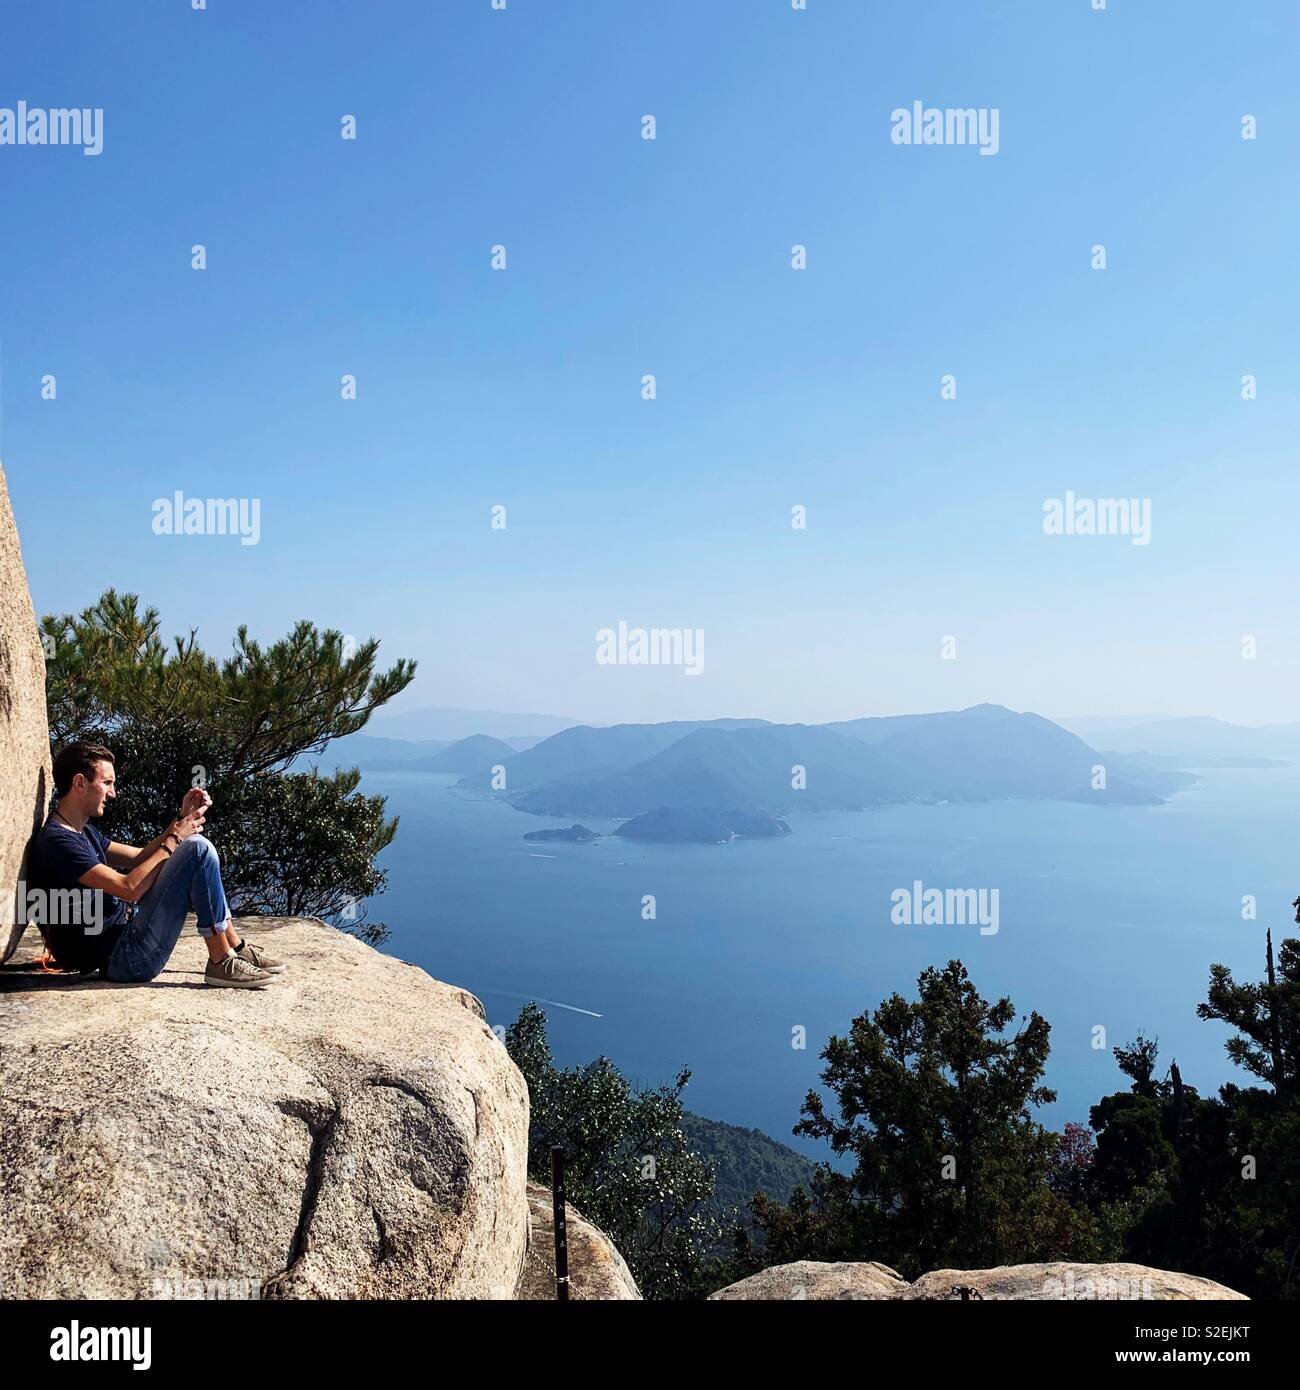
[{"x": 354, "y": 1131}]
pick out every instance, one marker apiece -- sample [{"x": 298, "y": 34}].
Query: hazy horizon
[{"x": 411, "y": 703}]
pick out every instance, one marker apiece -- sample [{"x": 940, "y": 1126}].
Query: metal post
[{"x": 561, "y": 1229}]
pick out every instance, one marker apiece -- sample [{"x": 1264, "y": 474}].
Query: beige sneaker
[
  {"x": 235, "y": 973},
  {"x": 258, "y": 959}
]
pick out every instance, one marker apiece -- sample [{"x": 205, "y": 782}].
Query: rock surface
[
  {"x": 25, "y": 782},
  {"x": 1072, "y": 1282},
  {"x": 808, "y": 1279},
  {"x": 818, "y": 1283},
  {"x": 354, "y": 1131},
  {"x": 596, "y": 1269}
]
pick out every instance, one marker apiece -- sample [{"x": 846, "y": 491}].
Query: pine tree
[
  {"x": 933, "y": 1104},
  {"x": 1266, "y": 1015}
]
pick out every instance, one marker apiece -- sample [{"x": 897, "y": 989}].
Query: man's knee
[{"x": 198, "y": 847}]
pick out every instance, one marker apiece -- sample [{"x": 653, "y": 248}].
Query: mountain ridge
[{"x": 986, "y": 752}]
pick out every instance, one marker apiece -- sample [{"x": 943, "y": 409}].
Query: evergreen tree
[
  {"x": 1211, "y": 1186},
  {"x": 1265, "y": 1015},
  {"x": 933, "y": 1105},
  {"x": 628, "y": 1166}
]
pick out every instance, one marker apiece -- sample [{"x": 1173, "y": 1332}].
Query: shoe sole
[{"x": 236, "y": 984}]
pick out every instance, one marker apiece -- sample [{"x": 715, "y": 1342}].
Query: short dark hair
[{"x": 79, "y": 757}]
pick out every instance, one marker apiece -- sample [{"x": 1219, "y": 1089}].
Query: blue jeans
[{"x": 190, "y": 879}]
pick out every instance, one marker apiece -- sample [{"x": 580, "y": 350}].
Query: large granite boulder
[
  {"x": 25, "y": 783},
  {"x": 808, "y": 1279},
  {"x": 596, "y": 1269},
  {"x": 354, "y": 1131}
]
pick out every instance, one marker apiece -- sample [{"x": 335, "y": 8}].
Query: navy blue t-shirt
[{"x": 82, "y": 931}]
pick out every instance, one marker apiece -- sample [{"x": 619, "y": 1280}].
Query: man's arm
[
  {"x": 126, "y": 857},
  {"x": 134, "y": 884},
  {"x": 130, "y": 887}
]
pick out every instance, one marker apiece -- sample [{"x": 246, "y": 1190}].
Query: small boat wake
[{"x": 537, "y": 999}]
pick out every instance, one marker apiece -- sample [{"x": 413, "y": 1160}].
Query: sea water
[{"x": 740, "y": 960}]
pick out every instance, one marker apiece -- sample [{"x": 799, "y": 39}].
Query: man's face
[{"x": 100, "y": 790}]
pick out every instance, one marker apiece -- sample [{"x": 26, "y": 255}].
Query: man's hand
[
  {"x": 188, "y": 825},
  {"x": 196, "y": 799}
]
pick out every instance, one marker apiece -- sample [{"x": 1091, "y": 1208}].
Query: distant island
[
  {"x": 668, "y": 781},
  {"x": 701, "y": 825},
  {"x": 578, "y": 833}
]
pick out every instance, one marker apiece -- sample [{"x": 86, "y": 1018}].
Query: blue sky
[{"x": 775, "y": 387}]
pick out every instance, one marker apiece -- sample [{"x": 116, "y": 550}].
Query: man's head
[{"x": 85, "y": 777}]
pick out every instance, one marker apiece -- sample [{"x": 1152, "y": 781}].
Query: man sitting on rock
[{"x": 173, "y": 874}]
